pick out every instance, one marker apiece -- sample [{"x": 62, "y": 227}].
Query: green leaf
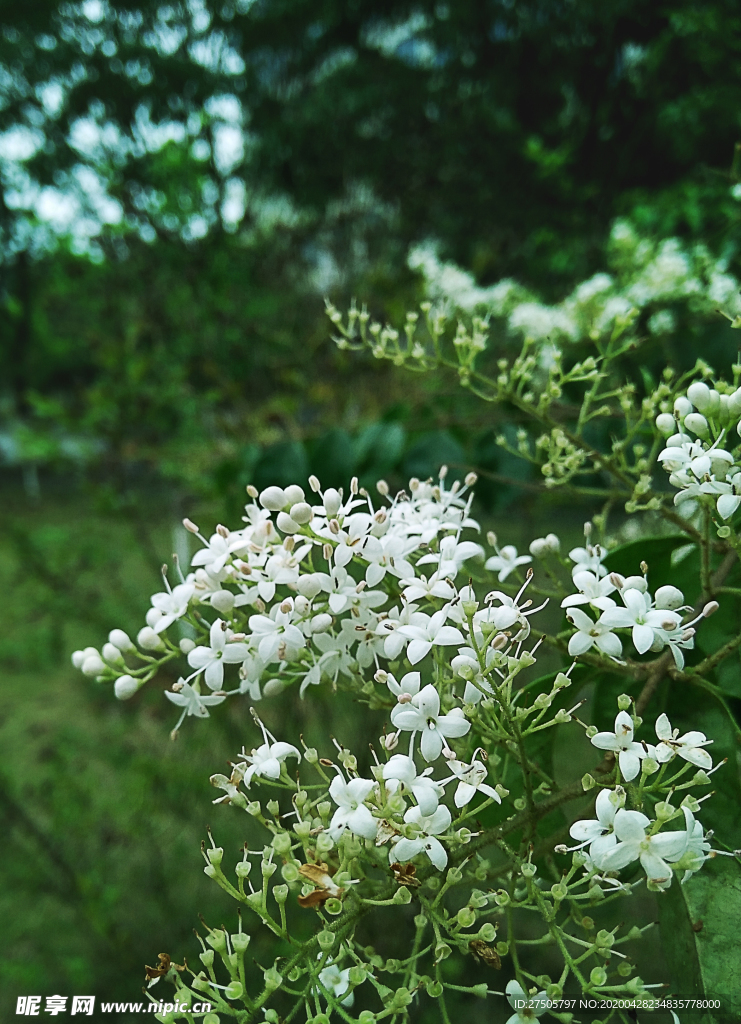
[
  {"x": 657, "y": 553},
  {"x": 699, "y": 928}
]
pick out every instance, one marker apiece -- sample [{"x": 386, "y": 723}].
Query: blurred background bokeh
[{"x": 180, "y": 187}]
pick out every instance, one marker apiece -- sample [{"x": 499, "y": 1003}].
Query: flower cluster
[
  {"x": 389, "y": 597},
  {"x": 699, "y": 432}
]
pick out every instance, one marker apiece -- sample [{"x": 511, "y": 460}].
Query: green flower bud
[
  {"x": 466, "y": 917},
  {"x": 402, "y": 896},
  {"x": 273, "y": 807},
  {"x": 442, "y": 951},
  {"x": 207, "y": 958},
  {"x": 487, "y": 932},
  {"x": 434, "y": 989},
  {"x": 215, "y": 855},
  {"x": 357, "y": 975},
  {"x": 240, "y": 941},
  {"x": 290, "y": 872},
  {"x": 281, "y": 843},
  {"x": 588, "y": 782},
  {"x": 420, "y": 921},
  {"x": 217, "y": 940},
  {"x": 481, "y": 990},
  {"x": 625, "y": 969},
  {"x": 324, "y": 843},
  {"x": 273, "y": 980},
  {"x": 402, "y": 998},
  {"x": 268, "y": 868},
  {"x": 326, "y": 939},
  {"x": 280, "y": 893},
  {"x": 501, "y": 898},
  {"x": 234, "y": 990},
  {"x": 598, "y": 976}
]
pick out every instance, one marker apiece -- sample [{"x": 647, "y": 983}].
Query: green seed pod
[{"x": 234, "y": 990}]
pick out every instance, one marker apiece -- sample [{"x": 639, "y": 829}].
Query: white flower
[
  {"x": 654, "y": 851},
  {"x": 506, "y": 561},
  {"x": 471, "y": 779},
  {"x": 192, "y": 701},
  {"x": 345, "y": 593},
  {"x": 386, "y": 555},
  {"x": 641, "y": 618},
  {"x": 688, "y": 746},
  {"x": 599, "y": 835},
  {"x": 351, "y": 811},
  {"x": 433, "y": 632},
  {"x": 265, "y": 761},
  {"x": 422, "y": 714},
  {"x": 419, "y": 587},
  {"x": 212, "y": 659},
  {"x": 621, "y": 741},
  {"x": 592, "y": 590},
  {"x": 219, "y": 550},
  {"x": 388, "y": 627},
  {"x": 430, "y": 825},
  {"x": 337, "y": 982},
  {"x": 406, "y": 688},
  {"x": 453, "y": 553},
  {"x": 270, "y": 632},
  {"x": 588, "y": 559},
  {"x": 698, "y": 848},
  {"x": 527, "y": 1008},
  {"x": 172, "y": 605},
  {"x": 591, "y": 634},
  {"x": 427, "y": 792}
]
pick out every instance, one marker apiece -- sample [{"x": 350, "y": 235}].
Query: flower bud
[
  {"x": 442, "y": 951},
  {"x": 187, "y": 645},
  {"x": 487, "y": 932},
  {"x": 92, "y": 665},
  {"x": 281, "y": 843},
  {"x": 624, "y": 701},
  {"x": 309, "y": 585},
  {"x": 111, "y": 653},
  {"x": 149, "y": 640},
  {"x": 598, "y": 976},
  {"x": 291, "y": 874},
  {"x": 302, "y": 513},
  {"x": 273, "y": 687},
  {"x": 682, "y": 406},
  {"x": 669, "y": 597},
  {"x": 466, "y": 917},
  {"x": 402, "y": 896},
  {"x": 501, "y": 898},
  {"x": 697, "y": 424},
  {"x": 125, "y": 687},
  {"x": 332, "y": 501},
  {"x": 665, "y": 423},
  {"x": 240, "y": 942},
  {"x": 286, "y": 524},
  {"x": 223, "y": 601},
  {"x": 243, "y": 868},
  {"x": 273, "y": 499},
  {"x": 121, "y": 640},
  {"x": 699, "y": 394},
  {"x": 588, "y": 782},
  {"x": 320, "y": 623},
  {"x": 649, "y": 766}
]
